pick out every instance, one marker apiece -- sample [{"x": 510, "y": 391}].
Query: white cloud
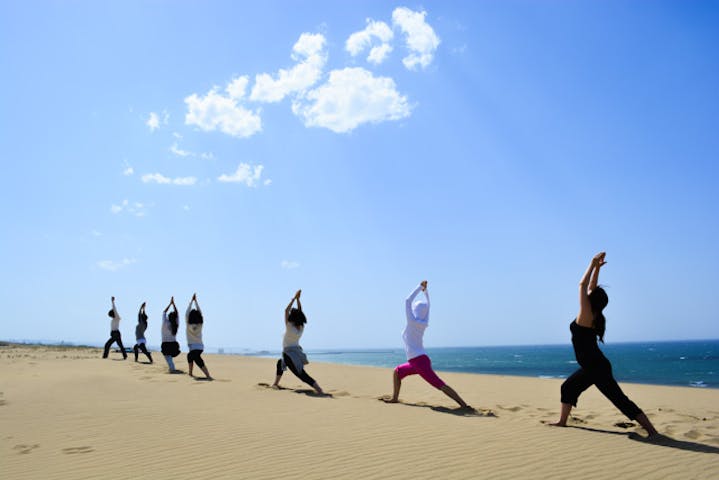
[
  {"x": 95, "y": 233},
  {"x": 128, "y": 171},
  {"x": 113, "y": 266},
  {"x": 163, "y": 180},
  {"x": 236, "y": 88},
  {"x": 186, "y": 208},
  {"x": 289, "y": 265},
  {"x": 178, "y": 151},
  {"x": 153, "y": 121},
  {"x": 217, "y": 112},
  {"x": 421, "y": 39},
  {"x": 360, "y": 41},
  {"x": 175, "y": 149},
  {"x": 177, "y": 135},
  {"x": 267, "y": 182},
  {"x": 310, "y": 55},
  {"x": 136, "y": 208},
  {"x": 351, "y": 97},
  {"x": 245, "y": 173}
]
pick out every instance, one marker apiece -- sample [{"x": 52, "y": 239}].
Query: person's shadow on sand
[
  {"x": 304, "y": 391},
  {"x": 659, "y": 440},
  {"x": 458, "y": 411}
]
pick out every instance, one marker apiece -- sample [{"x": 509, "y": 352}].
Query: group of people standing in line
[
  {"x": 590, "y": 324},
  {"x": 194, "y": 322}
]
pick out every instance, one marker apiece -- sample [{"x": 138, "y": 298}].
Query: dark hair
[
  {"x": 172, "y": 317},
  {"x": 598, "y": 299},
  {"x": 297, "y": 318},
  {"x": 194, "y": 317},
  {"x": 111, "y": 313}
]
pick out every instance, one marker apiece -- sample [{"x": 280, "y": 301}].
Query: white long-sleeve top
[
  {"x": 166, "y": 330},
  {"x": 115, "y": 321},
  {"x": 194, "y": 330},
  {"x": 417, "y": 322}
]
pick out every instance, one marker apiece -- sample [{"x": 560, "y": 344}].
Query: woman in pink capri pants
[{"x": 417, "y": 360}]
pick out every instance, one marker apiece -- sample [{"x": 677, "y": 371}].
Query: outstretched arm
[
  {"x": 410, "y": 299},
  {"x": 595, "y": 275},
  {"x": 584, "y": 317},
  {"x": 114, "y": 308},
  {"x": 289, "y": 306},
  {"x": 194, "y": 297},
  {"x": 172, "y": 302}
]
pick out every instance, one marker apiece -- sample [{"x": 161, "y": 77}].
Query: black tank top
[{"x": 586, "y": 350}]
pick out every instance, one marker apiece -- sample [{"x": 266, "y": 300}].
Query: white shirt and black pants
[
  {"x": 114, "y": 335},
  {"x": 292, "y": 355}
]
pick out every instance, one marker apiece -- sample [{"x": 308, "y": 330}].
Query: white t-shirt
[
  {"x": 292, "y": 335},
  {"x": 194, "y": 330},
  {"x": 417, "y": 322},
  {"x": 166, "y": 330},
  {"x": 115, "y": 321}
]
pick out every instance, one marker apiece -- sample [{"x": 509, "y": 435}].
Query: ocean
[{"x": 685, "y": 363}]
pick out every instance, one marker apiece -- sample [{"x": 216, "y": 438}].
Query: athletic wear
[
  {"x": 166, "y": 330},
  {"x": 140, "y": 346},
  {"x": 194, "y": 356},
  {"x": 293, "y": 357},
  {"x": 114, "y": 337},
  {"x": 193, "y": 330},
  {"x": 595, "y": 370},
  {"x": 292, "y": 335},
  {"x": 417, "y": 321},
  {"x": 421, "y": 365},
  {"x": 115, "y": 321},
  {"x": 286, "y": 361}
]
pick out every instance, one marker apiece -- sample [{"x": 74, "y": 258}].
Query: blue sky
[{"x": 352, "y": 149}]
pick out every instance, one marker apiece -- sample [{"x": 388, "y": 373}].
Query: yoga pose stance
[
  {"x": 140, "y": 333},
  {"x": 114, "y": 332},
  {"x": 594, "y": 369},
  {"x": 292, "y": 354},
  {"x": 170, "y": 348},
  {"x": 194, "y": 322},
  {"x": 417, "y": 360}
]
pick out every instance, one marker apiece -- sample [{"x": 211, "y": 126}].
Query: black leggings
[
  {"x": 141, "y": 346},
  {"x": 114, "y": 337},
  {"x": 301, "y": 375},
  {"x": 194, "y": 356},
  {"x": 602, "y": 377}
]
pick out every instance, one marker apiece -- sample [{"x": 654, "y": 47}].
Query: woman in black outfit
[{"x": 594, "y": 369}]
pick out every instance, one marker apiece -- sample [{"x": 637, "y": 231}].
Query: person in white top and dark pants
[
  {"x": 194, "y": 322},
  {"x": 114, "y": 332}
]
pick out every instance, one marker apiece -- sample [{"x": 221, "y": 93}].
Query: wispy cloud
[
  {"x": 95, "y": 233},
  {"x": 351, "y": 97},
  {"x": 176, "y": 150},
  {"x": 113, "y": 266},
  {"x": 309, "y": 53},
  {"x": 360, "y": 41},
  {"x": 128, "y": 171},
  {"x": 134, "y": 208},
  {"x": 163, "y": 180},
  {"x": 289, "y": 265},
  {"x": 246, "y": 174},
  {"x": 420, "y": 37}
]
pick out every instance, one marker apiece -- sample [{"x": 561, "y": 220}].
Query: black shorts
[
  {"x": 194, "y": 356},
  {"x": 170, "y": 348}
]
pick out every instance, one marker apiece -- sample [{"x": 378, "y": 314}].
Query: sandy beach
[{"x": 68, "y": 414}]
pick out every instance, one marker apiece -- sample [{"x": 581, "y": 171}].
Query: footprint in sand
[
  {"x": 339, "y": 394},
  {"x": 510, "y": 409},
  {"x": 624, "y": 424},
  {"x": 692, "y": 434},
  {"x": 73, "y": 450},
  {"x": 23, "y": 449}
]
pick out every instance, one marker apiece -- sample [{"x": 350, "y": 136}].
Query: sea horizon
[{"x": 687, "y": 363}]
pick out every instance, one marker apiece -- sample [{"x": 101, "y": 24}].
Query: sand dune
[{"x": 65, "y": 413}]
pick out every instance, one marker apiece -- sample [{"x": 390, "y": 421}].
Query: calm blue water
[{"x": 689, "y": 363}]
